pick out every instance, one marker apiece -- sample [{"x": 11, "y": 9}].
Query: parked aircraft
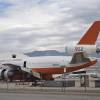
[{"x": 27, "y": 68}]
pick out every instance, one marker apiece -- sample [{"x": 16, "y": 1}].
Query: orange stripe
[
  {"x": 60, "y": 70},
  {"x": 91, "y": 35}
]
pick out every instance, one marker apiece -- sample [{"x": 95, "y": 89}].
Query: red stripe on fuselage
[{"x": 60, "y": 70}]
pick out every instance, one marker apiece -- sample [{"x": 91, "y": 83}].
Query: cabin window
[{"x": 14, "y": 56}]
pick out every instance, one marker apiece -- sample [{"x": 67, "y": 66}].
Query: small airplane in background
[{"x": 36, "y": 68}]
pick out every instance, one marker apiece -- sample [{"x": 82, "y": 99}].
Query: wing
[
  {"x": 23, "y": 69},
  {"x": 33, "y": 73},
  {"x": 12, "y": 66}
]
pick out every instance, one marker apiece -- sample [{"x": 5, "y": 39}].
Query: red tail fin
[{"x": 91, "y": 35}]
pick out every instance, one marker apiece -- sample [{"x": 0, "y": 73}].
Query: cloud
[{"x": 27, "y": 25}]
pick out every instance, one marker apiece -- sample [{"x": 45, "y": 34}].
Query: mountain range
[{"x": 46, "y": 53}]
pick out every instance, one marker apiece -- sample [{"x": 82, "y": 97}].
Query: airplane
[{"x": 36, "y": 68}]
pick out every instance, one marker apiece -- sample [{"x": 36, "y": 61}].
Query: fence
[{"x": 80, "y": 84}]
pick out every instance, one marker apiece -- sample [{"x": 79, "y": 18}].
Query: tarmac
[{"x": 31, "y": 96}]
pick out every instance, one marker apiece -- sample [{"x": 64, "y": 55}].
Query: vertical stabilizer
[{"x": 91, "y": 35}]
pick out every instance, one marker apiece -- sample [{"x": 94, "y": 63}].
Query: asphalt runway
[{"x": 22, "y": 96}]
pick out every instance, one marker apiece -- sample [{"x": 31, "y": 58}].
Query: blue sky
[
  {"x": 3, "y": 7},
  {"x": 27, "y": 25}
]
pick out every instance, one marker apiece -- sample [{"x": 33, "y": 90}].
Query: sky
[{"x": 29, "y": 25}]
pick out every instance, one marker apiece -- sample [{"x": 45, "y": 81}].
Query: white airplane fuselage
[{"x": 35, "y": 62}]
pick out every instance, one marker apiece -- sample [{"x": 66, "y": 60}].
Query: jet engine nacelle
[
  {"x": 2, "y": 73},
  {"x": 5, "y": 74},
  {"x": 88, "y": 49}
]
